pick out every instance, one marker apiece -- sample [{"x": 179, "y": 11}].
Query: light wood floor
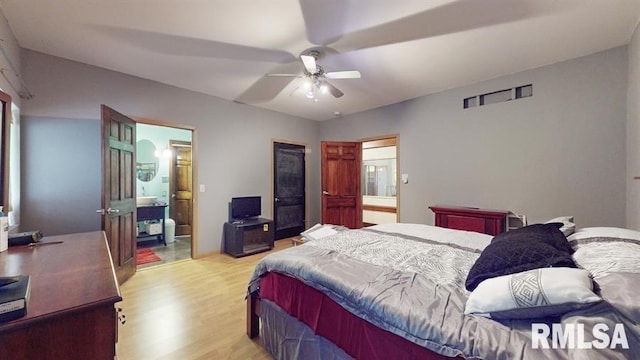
[{"x": 190, "y": 309}]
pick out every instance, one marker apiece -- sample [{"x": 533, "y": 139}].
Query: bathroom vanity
[{"x": 152, "y": 212}]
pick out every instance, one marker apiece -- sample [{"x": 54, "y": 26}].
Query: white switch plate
[
  {"x": 201, "y": 187},
  {"x": 405, "y": 178}
]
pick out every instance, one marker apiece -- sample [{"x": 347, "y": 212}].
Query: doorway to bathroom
[
  {"x": 164, "y": 174},
  {"x": 379, "y": 180}
]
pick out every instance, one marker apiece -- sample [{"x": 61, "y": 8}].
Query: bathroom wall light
[{"x": 164, "y": 153}]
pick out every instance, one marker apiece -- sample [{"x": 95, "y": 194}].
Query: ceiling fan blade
[
  {"x": 295, "y": 91},
  {"x": 442, "y": 20},
  {"x": 265, "y": 89},
  {"x": 349, "y": 74},
  {"x": 283, "y": 75},
  {"x": 332, "y": 89},
  {"x": 188, "y": 46},
  {"x": 325, "y": 20},
  {"x": 309, "y": 63}
]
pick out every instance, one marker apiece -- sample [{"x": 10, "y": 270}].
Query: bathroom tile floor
[{"x": 180, "y": 249}]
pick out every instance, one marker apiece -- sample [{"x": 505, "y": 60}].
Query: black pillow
[
  {"x": 548, "y": 233},
  {"x": 531, "y": 247}
]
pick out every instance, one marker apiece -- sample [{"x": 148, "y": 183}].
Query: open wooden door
[
  {"x": 341, "y": 193},
  {"x": 118, "y": 190}
]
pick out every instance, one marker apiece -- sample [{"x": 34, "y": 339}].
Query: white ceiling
[{"x": 403, "y": 48}]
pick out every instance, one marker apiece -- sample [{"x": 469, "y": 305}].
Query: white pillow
[
  {"x": 606, "y": 250},
  {"x": 568, "y": 226},
  {"x": 319, "y": 231},
  {"x": 605, "y": 233},
  {"x": 532, "y": 294}
]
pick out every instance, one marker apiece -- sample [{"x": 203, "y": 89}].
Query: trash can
[{"x": 170, "y": 230}]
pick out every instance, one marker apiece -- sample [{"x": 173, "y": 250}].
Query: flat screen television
[{"x": 245, "y": 207}]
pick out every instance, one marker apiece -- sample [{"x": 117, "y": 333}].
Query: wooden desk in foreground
[{"x": 70, "y": 313}]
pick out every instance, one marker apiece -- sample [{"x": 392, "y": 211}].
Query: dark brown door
[
  {"x": 288, "y": 189},
  {"x": 119, "y": 191},
  {"x": 181, "y": 186},
  {"x": 341, "y": 194}
]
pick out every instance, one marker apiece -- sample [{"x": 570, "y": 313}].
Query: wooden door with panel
[
  {"x": 181, "y": 188},
  {"x": 118, "y": 190},
  {"x": 341, "y": 186},
  {"x": 289, "y": 189}
]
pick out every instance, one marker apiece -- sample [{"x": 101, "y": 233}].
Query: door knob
[
  {"x": 108, "y": 211},
  {"x": 276, "y": 199},
  {"x": 325, "y": 192}
]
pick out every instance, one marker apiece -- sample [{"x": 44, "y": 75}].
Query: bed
[{"x": 401, "y": 291}]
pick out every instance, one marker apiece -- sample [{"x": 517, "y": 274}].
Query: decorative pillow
[
  {"x": 595, "y": 233},
  {"x": 531, "y": 247},
  {"x": 545, "y": 233},
  {"x": 568, "y": 225},
  {"x": 532, "y": 294},
  {"x": 606, "y": 250}
]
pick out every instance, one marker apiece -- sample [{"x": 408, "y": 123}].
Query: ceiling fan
[{"x": 316, "y": 79}]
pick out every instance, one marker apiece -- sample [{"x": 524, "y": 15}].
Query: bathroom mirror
[
  {"x": 379, "y": 171},
  {"x": 379, "y": 178},
  {"x": 146, "y": 160}
]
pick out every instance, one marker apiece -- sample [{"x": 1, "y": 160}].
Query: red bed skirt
[{"x": 357, "y": 337}]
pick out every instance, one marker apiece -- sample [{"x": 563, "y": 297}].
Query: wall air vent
[{"x": 499, "y": 96}]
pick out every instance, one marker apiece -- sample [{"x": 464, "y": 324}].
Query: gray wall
[
  {"x": 633, "y": 133},
  {"x": 560, "y": 152},
  {"x": 233, "y": 140},
  {"x": 61, "y": 175}
]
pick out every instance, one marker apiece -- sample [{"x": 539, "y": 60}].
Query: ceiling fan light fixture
[
  {"x": 307, "y": 84},
  {"x": 313, "y": 87},
  {"x": 310, "y": 94}
]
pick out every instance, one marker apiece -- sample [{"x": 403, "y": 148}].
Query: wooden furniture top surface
[
  {"x": 70, "y": 276},
  {"x": 150, "y": 210},
  {"x": 466, "y": 210}
]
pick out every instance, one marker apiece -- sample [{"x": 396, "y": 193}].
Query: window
[
  {"x": 498, "y": 96},
  {"x": 5, "y": 127}
]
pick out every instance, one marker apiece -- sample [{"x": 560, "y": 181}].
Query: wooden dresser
[
  {"x": 492, "y": 222},
  {"x": 71, "y": 312}
]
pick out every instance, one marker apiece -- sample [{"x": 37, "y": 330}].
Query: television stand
[{"x": 248, "y": 236}]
